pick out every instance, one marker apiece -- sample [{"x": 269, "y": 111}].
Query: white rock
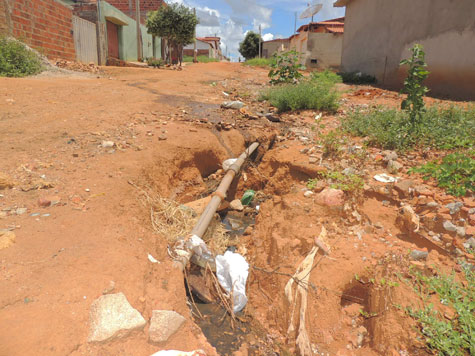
[
  {"x": 107, "y": 144},
  {"x": 308, "y": 194},
  {"x": 163, "y": 324},
  {"x": 232, "y": 105},
  {"x": 111, "y": 316},
  {"x": 236, "y": 205}
]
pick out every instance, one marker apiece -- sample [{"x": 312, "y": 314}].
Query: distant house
[
  {"x": 379, "y": 34},
  {"x": 215, "y": 43},
  {"x": 118, "y": 27},
  {"x": 203, "y": 48},
  {"x": 274, "y": 46},
  {"x": 320, "y": 43}
]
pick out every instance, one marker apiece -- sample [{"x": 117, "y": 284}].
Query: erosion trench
[{"x": 350, "y": 311}]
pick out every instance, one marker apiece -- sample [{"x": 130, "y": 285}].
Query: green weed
[
  {"x": 438, "y": 127},
  {"x": 259, "y": 62},
  {"x": 200, "y": 59},
  {"x": 346, "y": 182},
  {"x": 447, "y": 336},
  {"x": 357, "y": 78},
  {"x": 325, "y": 76},
  {"x": 455, "y": 173},
  {"x": 305, "y": 95},
  {"x": 16, "y": 60}
]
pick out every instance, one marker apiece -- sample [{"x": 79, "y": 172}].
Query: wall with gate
[{"x": 85, "y": 40}]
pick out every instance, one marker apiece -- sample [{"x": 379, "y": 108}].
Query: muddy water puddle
[{"x": 236, "y": 223}]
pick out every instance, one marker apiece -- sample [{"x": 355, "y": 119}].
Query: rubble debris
[
  {"x": 163, "y": 324},
  {"x": 111, "y": 317}
]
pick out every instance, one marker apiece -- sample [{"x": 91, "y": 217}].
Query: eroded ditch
[{"x": 344, "y": 314}]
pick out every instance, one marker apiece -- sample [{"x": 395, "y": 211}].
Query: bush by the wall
[{"x": 16, "y": 60}]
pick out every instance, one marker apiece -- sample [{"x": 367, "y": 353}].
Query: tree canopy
[
  {"x": 175, "y": 23},
  {"x": 249, "y": 48}
]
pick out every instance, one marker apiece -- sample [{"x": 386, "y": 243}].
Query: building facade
[{"x": 380, "y": 33}]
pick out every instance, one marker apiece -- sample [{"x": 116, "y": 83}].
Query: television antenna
[{"x": 311, "y": 10}]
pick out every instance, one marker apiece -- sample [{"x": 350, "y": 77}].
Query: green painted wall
[{"x": 128, "y": 34}]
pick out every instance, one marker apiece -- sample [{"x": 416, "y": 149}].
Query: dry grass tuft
[{"x": 172, "y": 220}]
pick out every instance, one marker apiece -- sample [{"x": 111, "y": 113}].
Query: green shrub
[
  {"x": 259, "y": 62},
  {"x": 305, "y": 95},
  {"x": 346, "y": 182},
  {"x": 285, "y": 68},
  {"x": 417, "y": 73},
  {"x": 447, "y": 337},
  {"x": 325, "y": 76},
  {"x": 438, "y": 127},
  {"x": 200, "y": 59},
  {"x": 156, "y": 63},
  {"x": 357, "y": 78},
  {"x": 16, "y": 60},
  {"x": 455, "y": 173}
]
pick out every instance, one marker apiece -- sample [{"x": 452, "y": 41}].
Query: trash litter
[
  {"x": 152, "y": 259},
  {"x": 384, "y": 178},
  {"x": 179, "y": 353},
  {"x": 232, "y": 271},
  {"x": 318, "y": 117},
  {"x": 228, "y": 163},
  {"x": 225, "y": 94},
  {"x": 232, "y": 105},
  {"x": 247, "y": 197}
]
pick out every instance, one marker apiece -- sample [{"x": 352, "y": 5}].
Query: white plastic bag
[
  {"x": 384, "y": 178},
  {"x": 232, "y": 271}
]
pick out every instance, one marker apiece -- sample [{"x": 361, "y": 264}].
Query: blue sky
[{"x": 231, "y": 19}]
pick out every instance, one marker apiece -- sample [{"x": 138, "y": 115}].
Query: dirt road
[{"x": 71, "y": 145}]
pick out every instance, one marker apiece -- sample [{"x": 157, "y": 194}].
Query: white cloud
[{"x": 267, "y": 37}]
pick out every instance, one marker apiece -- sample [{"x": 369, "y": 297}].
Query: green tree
[
  {"x": 249, "y": 48},
  {"x": 176, "y": 24}
]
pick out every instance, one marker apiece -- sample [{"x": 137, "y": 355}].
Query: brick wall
[
  {"x": 45, "y": 25},
  {"x": 145, "y": 7},
  {"x": 3, "y": 18}
]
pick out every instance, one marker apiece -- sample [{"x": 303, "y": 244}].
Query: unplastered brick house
[
  {"x": 319, "y": 44},
  {"x": 45, "y": 25},
  {"x": 379, "y": 34}
]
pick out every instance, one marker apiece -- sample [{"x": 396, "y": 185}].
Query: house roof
[
  {"x": 278, "y": 40},
  {"x": 333, "y": 26},
  {"x": 208, "y": 38}
]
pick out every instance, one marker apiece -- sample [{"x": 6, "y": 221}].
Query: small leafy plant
[
  {"x": 285, "y": 68},
  {"x": 456, "y": 172},
  {"x": 153, "y": 62},
  {"x": 413, "y": 87},
  {"x": 16, "y": 60},
  {"x": 447, "y": 336},
  {"x": 326, "y": 76}
]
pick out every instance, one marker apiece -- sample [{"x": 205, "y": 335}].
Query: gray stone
[
  {"x": 417, "y": 255},
  {"x": 272, "y": 118},
  {"x": 313, "y": 160},
  {"x": 449, "y": 226},
  {"x": 107, "y": 144},
  {"x": 308, "y": 194},
  {"x": 236, "y": 205},
  {"x": 162, "y": 137},
  {"x": 163, "y": 324},
  {"x": 390, "y": 156},
  {"x": 111, "y": 316},
  {"x": 460, "y": 231},
  {"x": 394, "y": 166},
  {"x": 349, "y": 171},
  {"x": 21, "y": 211},
  {"x": 454, "y": 207},
  {"x": 470, "y": 243},
  {"x": 232, "y": 105},
  {"x": 471, "y": 211}
]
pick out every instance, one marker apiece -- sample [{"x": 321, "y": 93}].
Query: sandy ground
[{"x": 165, "y": 126}]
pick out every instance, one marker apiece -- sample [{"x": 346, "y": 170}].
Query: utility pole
[
  {"x": 194, "y": 36},
  {"x": 139, "y": 35},
  {"x": 98, "y": 34},
  {"x": 260, "y": 41},
  {"x": 295, "y": 22}
]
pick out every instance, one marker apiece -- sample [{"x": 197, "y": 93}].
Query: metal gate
[{"x": 85, "y": 40}]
